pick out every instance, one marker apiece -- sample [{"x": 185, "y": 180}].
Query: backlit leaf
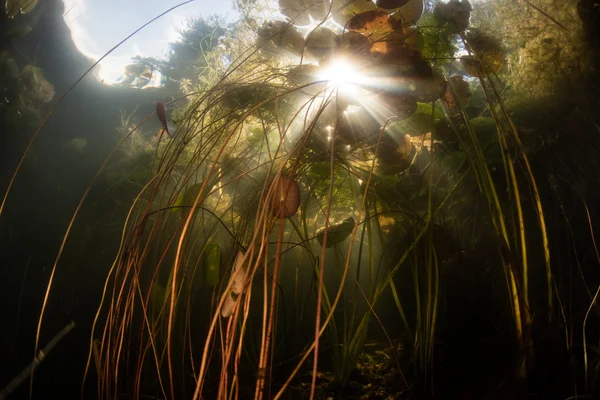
[
  {"x": 376, "y": 25},
  {"x": 409, "y": 13},
  {"x": 14, "y": 7},
  {"x": 301, "y": 11},
  {"x": 344, "y": 10}
]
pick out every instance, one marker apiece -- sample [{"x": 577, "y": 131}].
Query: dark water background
[{"x": 44, "y": 196}]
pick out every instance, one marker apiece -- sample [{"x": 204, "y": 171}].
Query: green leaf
[
  {"x": 301, "y": 11},
  {"x": 14, "y": 7},
  {"x": 336, "y": 233},
  {"x": 186, "y": 199},
  {"x": 344, "y": 10}
]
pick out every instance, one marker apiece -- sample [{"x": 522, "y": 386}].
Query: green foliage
[
  {"x": 36, "y": 88},
  {"x": 438, "y": 42},
  {"x": 25, "y": 92},
  {"x": 186, "y": 199},
  {"x": 546, "y": 43},
  {"x": 319, "y": 174},
  {"x": 188, "y": 57},
  {"x": 420, "y": 123}
]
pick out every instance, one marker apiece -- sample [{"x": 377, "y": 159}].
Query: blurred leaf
[
  {"x": 336, "y": 233},
  {"x": 488, "y": 56},
  {"x": 280, "y": 35},
  {"x": 408, "y": 13},
  {"x": 14, "y": 7},
  {"x": 344, "y": 10},
  {"x": 437, "y": 42},
  {"x": 321, "y": 43},
  {"x": 301, "y": 11},
  {"x": 454, "y": 14}
]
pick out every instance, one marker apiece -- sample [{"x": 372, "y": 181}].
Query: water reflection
[{"x": 98, "y": 25}]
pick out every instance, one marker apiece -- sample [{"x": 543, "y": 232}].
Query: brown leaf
[
  {"x": 461, "y": 87},
  {"x": 376, "y": 25},
  {"x": 285, "y": 199},
  {"x": 353, "y": 43},
  {"x": 396, "y": 41}
]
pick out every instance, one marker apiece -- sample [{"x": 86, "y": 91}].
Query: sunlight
[{"x": 343, "y": 75}]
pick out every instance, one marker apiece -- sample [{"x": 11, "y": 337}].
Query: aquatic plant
[
  {"x": 16, "y": 7},
  {"x": 545, "y": 38},
  {"x": 25, "y": 92},
  {"x": 331, "y": 168}
]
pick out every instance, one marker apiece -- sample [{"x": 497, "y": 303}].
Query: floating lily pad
[
  {"x": 452, "y": 162},
  {"x": 455, "y": 14},
  {"x": 285, "y": 199},
  {"x": 394, "y": 154},
  {"x": 336, "y": 233},
  {"x": 401, "y": 105},
  {"x": 402, "y": 64},
  {"x": 321, "y": 43},
  {"x": 15, "y": 7},
  {"x": 282, "y": 36},
  {"x": 376, "y": 25},
  {"x": 303, "y": 74},
  {"x": 425, "y": 108},
  {"x": 391, "y": 4},
  {"x": 343, "y": 10},
  {"x": 485, "y": 128},
  {"x": 397, "y": 41},
  {"x": 301, "y": 11},
  {"x": 409, "y": 13},
  {"x": 353, "y": 43},
  {"x": 357, "y": 125},
  {"x": 417, "y": 125},
  {"x": 306, "y": 74}
]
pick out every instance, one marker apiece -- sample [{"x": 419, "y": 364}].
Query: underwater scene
[{"x": 300, "y": 199}]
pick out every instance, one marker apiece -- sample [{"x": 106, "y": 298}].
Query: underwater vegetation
[
  {"x": 15, "y": 7},
  {"x": 358, "y": 200},
  {"x": 25, "y": 92}
]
